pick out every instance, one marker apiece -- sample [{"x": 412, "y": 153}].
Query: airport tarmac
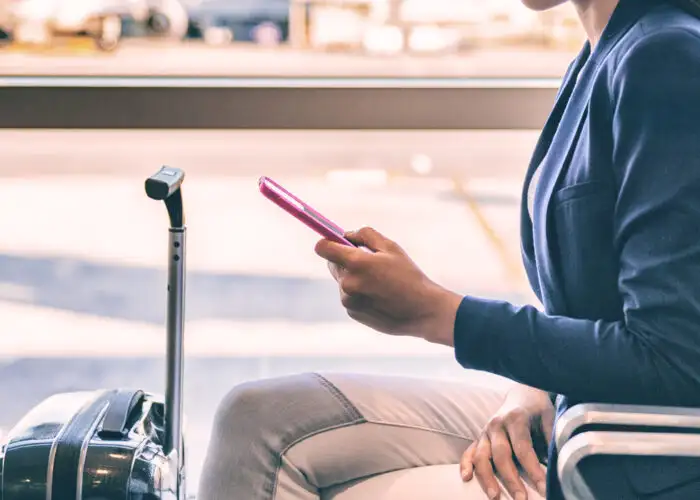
[
  {"x": 82, "y": 254},
  {"x": 469, "y": 155}
]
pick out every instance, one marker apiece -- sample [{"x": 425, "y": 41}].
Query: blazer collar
[{"x": 625, "y": 15}]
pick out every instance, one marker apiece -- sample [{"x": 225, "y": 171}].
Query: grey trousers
[{"x": 347, "y": 437}]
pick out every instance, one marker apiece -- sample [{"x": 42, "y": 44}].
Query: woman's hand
[
  {"x": 526, "y": 416},
  {"x": 385, "y": 290}
]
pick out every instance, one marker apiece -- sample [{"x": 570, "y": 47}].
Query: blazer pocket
[
  {"x": 580, "y": 190},
  {"x": 585, "y": 257}
]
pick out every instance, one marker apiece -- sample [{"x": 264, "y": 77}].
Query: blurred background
[
  {"x": 428, "y": 38},
  {"x": 82, "y": 251}
]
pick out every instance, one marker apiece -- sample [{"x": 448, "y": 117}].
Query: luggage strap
[
  {"x": 122, "y": 404},
  {"x": 66, "y": 462}
]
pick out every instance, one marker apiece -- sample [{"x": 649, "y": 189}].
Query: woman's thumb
[{"x": 369, "y": 238}]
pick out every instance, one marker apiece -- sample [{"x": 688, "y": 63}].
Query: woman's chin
[{"x": 542, "y": 4}]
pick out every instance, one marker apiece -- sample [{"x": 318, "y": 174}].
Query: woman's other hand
[
  {"x": 509, "y": 440},
  {"x": 385, "y": 290}
]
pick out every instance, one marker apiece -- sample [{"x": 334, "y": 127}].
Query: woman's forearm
[{"x": 582, "y": 359}]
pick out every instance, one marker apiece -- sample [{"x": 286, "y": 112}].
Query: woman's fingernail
[
  {"x": 520, "y": 496},
  {"x": 493, "y": 494},
  {"x": 542, "y": 488}
]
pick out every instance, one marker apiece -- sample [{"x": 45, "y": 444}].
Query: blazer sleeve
[{"x": 652, "y": 356}]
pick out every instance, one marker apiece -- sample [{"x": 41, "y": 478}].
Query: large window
[
  {"x": 82, "y": 270},
  {"x": 404, "y": 38},
  {"x": 434, "y": 121}
]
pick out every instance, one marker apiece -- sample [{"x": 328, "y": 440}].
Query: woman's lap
[
  {"x": 298, "y": 437},
  {"x": 422, "y": 483}
]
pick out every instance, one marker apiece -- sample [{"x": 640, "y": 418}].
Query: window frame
[{"x": 275, "y": 103}]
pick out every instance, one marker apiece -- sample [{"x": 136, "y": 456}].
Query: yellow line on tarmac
[{"x": 513, "y": 267}]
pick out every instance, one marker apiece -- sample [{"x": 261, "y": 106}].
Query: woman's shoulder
[
  {"x": 670, "y": 19},
  {"x": 663, "y": 44},
  {"x": 665, "y": 30}
]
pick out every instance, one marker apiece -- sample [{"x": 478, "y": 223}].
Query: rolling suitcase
[{"x": 111, "y": 444}]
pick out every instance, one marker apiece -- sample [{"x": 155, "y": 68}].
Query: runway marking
[{"x": 512, "y": 266}]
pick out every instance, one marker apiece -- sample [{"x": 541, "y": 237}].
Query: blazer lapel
[
  {"x": 543, "y": 145},
  {"x": 563, "y": 143}
]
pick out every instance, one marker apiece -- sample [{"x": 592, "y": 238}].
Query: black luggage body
[
  {"x": 62, "y": 446},
  {"x": 110, "y": 444}
]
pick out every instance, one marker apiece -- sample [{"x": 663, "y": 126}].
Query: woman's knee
[
  {"x": 247, "y": 407},
  {"x": 281, "y": 410}
]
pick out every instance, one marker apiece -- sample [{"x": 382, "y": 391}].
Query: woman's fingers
[
  {"x": 336, "y": 271},
  {"x": 547, "y": 427},
  {"x": 466, "y": 465},
  {"x": 524, "y": 449},
  {"x": 484, "y": 469},
  {"x": 502, "y": 453}
]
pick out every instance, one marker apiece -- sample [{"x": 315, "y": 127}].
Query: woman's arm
[{"x": 652, "y": 355}]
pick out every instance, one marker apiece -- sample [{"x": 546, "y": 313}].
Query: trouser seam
[
  {"x": 421, "y": 428},
  {"x": 360, "y": 421},
  {"x": 349, "y": 409},
  {"x": 273, "y": 489},
  {"x": 354, "y": 412}
]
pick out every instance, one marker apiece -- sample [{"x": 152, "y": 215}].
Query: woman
[{"x": 611, "y": 245}]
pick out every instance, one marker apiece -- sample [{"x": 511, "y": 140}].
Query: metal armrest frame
[
  {"x": 610, "y": 416},
  {"x": 599, "y": 443}
]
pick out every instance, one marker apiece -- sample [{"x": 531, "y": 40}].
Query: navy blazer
[{"x": 613, "y": 250}]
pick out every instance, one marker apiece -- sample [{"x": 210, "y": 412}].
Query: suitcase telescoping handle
[{"x": 165, "y": 185}]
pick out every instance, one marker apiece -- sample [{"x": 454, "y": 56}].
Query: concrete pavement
[
  {"x": 491, "y": 155},
  {"x": 80, "y": 236}
]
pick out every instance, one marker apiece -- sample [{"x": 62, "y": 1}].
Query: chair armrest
[
  {"x": 614, "y": 417},
  {"x": 592, "y": 443}
]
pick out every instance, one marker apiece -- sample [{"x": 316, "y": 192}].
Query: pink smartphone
[{"x": 302, "y": 211}]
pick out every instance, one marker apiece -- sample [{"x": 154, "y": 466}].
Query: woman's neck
[{"x": 594, "y": 15}]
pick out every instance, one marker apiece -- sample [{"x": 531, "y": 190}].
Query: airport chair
[{"x": 589, "y": 432}]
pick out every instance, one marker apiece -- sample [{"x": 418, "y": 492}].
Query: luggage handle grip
[
  {"x": 165, "y": 185},
  {"x": 122, "y": 405}
]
